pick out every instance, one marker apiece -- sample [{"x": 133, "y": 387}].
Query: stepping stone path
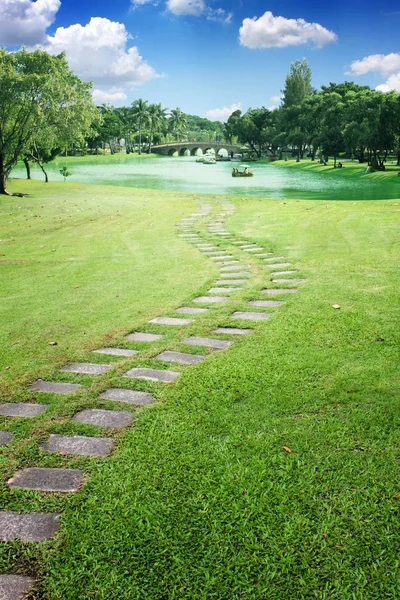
[
  {"x": 180, "y": 357},
  {"x": 235, "y": 268},
  {"x": 152, "y": 375},
  {"x": 236, "y": 274},
  {"x": 234, "y": 330},
  {"x": 208, "y": 342},
  {"x": 128, "y": 396},
  {"x": 221, "y": 290},
  {"x": 275, "y": 291},
  {"x": 283, "y": 273},
  {"x": 87, "y": 368},
  {"x": 47, "y": 480},
  {"x": 22, "y": 409},
  {"x": 230, "y": 281},
  {"x": 143, "y": 337},
  {"x": 265, "y": 303},
  {"x": 5, "y": 437},
  {"x": 54, "y": 387},
  {"x": 191, "y": 311},
  {"x": 28, "y": 527},
  {"x": 278, "y": 266},
  {"x": 250, "y": 316},
  {"x": 15, "y": 587},
  {"x": 253, "y": 249},
  {"x": 78, "y": 444},
  {"x": 171, "y": 321},
  {"x": 211, "y": 299},
  {"x": 116, "y": 351},
  {"x": 113, "y": 419},
  {"x": 273, "y": 258},
  {"x": 298, "y": 280}
]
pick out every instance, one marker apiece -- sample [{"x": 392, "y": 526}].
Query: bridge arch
[
  {"x": 172, "y": 151},
  {"x": 196, "y": 152}
]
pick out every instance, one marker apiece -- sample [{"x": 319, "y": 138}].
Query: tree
[
  {"x": 42, "y": 103},
  {"x": 298, "y": 84},
  {"x": 157, "y": 120},
  {"x": 140, "y": 114},
  {"x": 177, "y": 123}
]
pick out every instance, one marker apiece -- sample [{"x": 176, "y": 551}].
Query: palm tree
[
  {"x": 177, "y": 122},
  {"x": 125, "y": 116},
  {"x": 140, "y": 113},
  {"x": 157, "y": 118}
]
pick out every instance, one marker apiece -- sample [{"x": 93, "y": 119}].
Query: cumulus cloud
[
  {"x": 276, "y": 99},
  {"x": 98, "y": 51},
  {"x": 186, "y": 7},
  {"x": 386, "y": 65},
  {"x": 218, "y": 114},
  {"x": 25, "y": 22},
  {"x": 269, "y": 31},
  {"x": 111, "y": 96}
]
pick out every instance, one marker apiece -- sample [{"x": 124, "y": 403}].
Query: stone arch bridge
[{"x": 193, "y": 147}]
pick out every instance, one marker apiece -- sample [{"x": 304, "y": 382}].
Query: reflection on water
[{"x": 183, "y": 174}]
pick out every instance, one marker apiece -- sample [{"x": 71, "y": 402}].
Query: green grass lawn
[
  {"x": 351, "y": 168},
  {"x": 200, "y": 500}
]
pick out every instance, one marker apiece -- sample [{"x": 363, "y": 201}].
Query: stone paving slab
[
  {"x": 55, "y": 387},
  {"x": 276, "y": 291},
  {"x": 245, "y": 246},
  {"x": 138, "y": 336},
  {"x": 171, "y": 321},
  {"x": 236, "y": 274},
  {"x": 15, "y": 587},
  {"x": 222, "y": 257},
  {"x": 116, "y": 351},
  {"x": 230, "y": 281},
  {"x": 266, "y": 303},
  {"x": 78, "y": 444},
  {"x": 293, "y": 280},
  {"x": 86, "y": 368},
  {"x": 250, "y": 316},
  {"x": 282, "y": 273},
  {"x": 114, "y": 419},
  {"x": 263, "y": 254},
  {"x": 28, "y": 527},
  {"x": 22, "y": 409},
  {"x": 235, "y": 268},
  {"x": 222, "y": 290},
  {"x": 188, "y": 310},
  {"x": 47, "y": 480},
  {"x": 182, "y": 358},
  {"x": 208, "y": 342},
  {"x": 273, "y": 258},
  {"x": 234, "y": 330},
  {"x": 211, "y": 299},
  {"x": 216, "y": 252},
  {"x": 152, "y": 374},
  {"x": 5, "y": 437},
  {"x": 229, "y": 262},
  {"x": 128, "y": 396},
  {"x": 278, "y": 265},
  {"x": 253, "y": 249},
  {"x": 238, "y": 243}
]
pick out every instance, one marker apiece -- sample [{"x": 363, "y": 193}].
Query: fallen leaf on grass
[
  {"x": 2, "y": 254},
  {"x": 397, "y": 497},
  {"x": 76, "y": 286},
  {"x": 53, "y": 343},
  {"x": 336, "y": 306},
  {"x": 287, "y": 449},
  {"x": 324, "y": 535}
]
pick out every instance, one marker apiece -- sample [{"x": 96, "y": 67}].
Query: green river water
[{"x": 183, "y": 174}]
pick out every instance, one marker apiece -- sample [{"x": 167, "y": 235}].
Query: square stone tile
[
  {"x": 152, "y": 374},
  {"x": 5, "y": 437},
  {"x": 235, "y": 268},
  {"x": 250, "y": 316},
  {"x": 138, "y": 336},
  {"x": 208, "y": 342},
  {"x": 28, "y": 527},
  {"x": 222, "y": 290},
  {"x": 234, "y": 330},
  {"x": 171, "y": 321},
  {"x": 113, "y": 419},
  {"x": 22, "y": 409},
  {"x": 87, "y": 368},
  {"x": 47, "y": 480},
  {"x": 116, "y": 351},
  {"x": 277, "y": 291},
  {"x": 188, "y": 310},
  {"x": 54, "y": 387},
  {"x": 278, "y": 266},
  {"x": 78, "y": 445},
  {"x": 180, "y": 357},
  {"x": 15, "y": 587},
  {"x": 128, "y": 396},
  {"x": 211, "y": 299},
  {"x": 293, "y": 280},
  {"x": 265, "y": 303}
]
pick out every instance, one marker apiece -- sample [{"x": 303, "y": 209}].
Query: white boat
[{"x": 209, "y": 160}]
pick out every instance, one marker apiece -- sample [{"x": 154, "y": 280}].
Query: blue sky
[{"x": 209, "y": 57}]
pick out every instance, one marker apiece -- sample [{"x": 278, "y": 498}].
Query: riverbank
[
  {"x": 350, "y": 169},
  {"x": 269, "y": 470}
]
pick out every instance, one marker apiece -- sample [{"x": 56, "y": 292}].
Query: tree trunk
[
  {"x": 46, "y": 177},
  {"x": 3, "y": 177},
  {"x": 398, "y": 159},
  {"x": 27, "y": 167}
]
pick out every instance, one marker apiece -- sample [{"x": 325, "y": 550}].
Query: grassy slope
[
  {"x": 200, "y": 501},
  {"x": 351, "y": 169}
]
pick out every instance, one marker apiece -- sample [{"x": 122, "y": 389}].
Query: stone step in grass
[
  {"x": 236, "y": 274},
  {"x": 15, "y": 587},
  {"x": 28, "y": 527},
  {"x": 240, "y": 243},
  {"x": 230, "y": 281},
  {"x": 191, "y": 311},
  {"x": 79, "y": 445},
  {"x": 275, "y": 274},
  {"x": 234, "y": 268},
  {"x": 208, "y": 342},
  {"x": 180, "y": 357},
  {"x": 116, "y": 351},
  {"x": 138, "y": 336},
  {"x": 250, "y": 316},
  {"x": 47, "y": 480},
  {"x": 86, "y": 368},
  {"x": 211, "y": 299},
  {"x": 22, "y": 409},
  {"x": 229, "y": 262},
  {"x": 253, "y": 249},
  {"x": 54, "y": 387},
  {"x": 171, "y": 321},
  {"x": 278, "y": 291},
  {"x": 278, "y": 266},
  {"x": 128, "y": 396},
  {"x": 263, "y": 254},
  {"x": 234, "y": 330},
  {"x": 216, "y": 252},
  {"x": 273, "y": 258},
  {"x": 152, "y": 374},
  {"x": 112, "y": 419},
  {"x": 222, "y": 290},
  {"x": 265, "y": 303},
  {"x": 293, "y": 280},
  {"x": 246, "y": 246},
  {"x": 5, "y": 437}
]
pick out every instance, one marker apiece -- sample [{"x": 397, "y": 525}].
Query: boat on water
[
  {"x": 200, "y": 159},
  {"x": 242, "y": 171},
  {"x": 210, "y": 160}
]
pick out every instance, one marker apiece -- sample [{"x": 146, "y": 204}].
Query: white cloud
[
  {"x": 218, "y": 114},
  {"x": 98, "y": 51},
  {"x": 277, "y": 32},
  {"x": 276, "y": 98},
  {"x": 111, "y": 96},
  {"x": 271, "y": 108},
  {"x": 23, "y": 22},
  {"x": 186, "y": 7},
  {"x": 386, "y": 65},
  {"x": 219, "y": 14}
]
